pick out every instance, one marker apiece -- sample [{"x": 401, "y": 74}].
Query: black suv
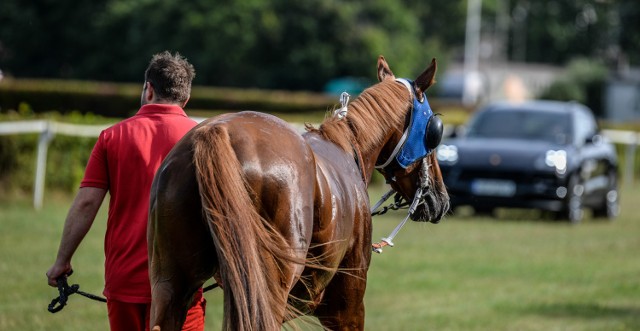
[{"x": 545, "y": 155}]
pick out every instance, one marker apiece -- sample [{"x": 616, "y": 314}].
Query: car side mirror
[{"x": 595, "y": 139}]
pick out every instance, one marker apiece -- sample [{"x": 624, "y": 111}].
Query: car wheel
[
  {"x": 610, "y": 207},
  {"x": 573, "y": 208}
]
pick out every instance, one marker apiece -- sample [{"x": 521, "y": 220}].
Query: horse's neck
[
  {"x": 370, "y": 146},
  {"x": 369, "y": 160},
  {"x": 370, "y": 122}
]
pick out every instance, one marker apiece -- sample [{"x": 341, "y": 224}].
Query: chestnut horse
[{"x": 281, "y": 220}]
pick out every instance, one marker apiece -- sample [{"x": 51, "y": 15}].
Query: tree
[
  {"x": 549, "y": 31},
  {"x": 627, "y": 30},
  {"x": 583, "y": 82},
  {"x": 47, "y": 38},
  {"x": 296, "y": 44}
]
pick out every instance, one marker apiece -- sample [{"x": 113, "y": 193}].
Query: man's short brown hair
[{"x": 171, "y": 76}]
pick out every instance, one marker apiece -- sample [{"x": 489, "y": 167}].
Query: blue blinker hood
[{"x": 423, "y": 134}]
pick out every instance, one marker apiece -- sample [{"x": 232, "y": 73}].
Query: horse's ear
[
  {"x": 426, "y": 79},
  {"x": 383, "y": 70}
]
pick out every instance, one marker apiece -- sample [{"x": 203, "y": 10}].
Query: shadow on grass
[
  {"x": 519, "y": 214},
  {"x": 502, "y": 214},
  {"x": 628, "y": 315}
]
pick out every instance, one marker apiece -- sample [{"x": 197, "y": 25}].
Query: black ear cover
[{"x": 435, "y": 129}]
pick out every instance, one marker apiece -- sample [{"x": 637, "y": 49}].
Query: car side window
[{"x": 585, "y": 126}]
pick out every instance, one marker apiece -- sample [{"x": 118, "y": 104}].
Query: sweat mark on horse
[{"x": 280, "y": 219}]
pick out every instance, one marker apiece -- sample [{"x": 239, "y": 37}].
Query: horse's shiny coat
[{"x": 280, "y": 220}]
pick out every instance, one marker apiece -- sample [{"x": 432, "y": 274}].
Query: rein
[
  {"x": 388, "y": 241},
  {"x": 418, "y": 199},
  {"x": 64, "y": 290}
]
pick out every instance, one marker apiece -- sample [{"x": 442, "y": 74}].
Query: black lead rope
[
  {"x": 65, "y": 291},
  {"x": 210, "y": 287}
]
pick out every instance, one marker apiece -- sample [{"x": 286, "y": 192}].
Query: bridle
[
  {"x": 420, "y": 138},
  {"x": 424, "y": 132}
]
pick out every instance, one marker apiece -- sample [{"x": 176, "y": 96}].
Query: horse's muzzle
[{"x": 433, "y": 207}]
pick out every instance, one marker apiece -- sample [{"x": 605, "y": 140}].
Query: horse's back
[{"x": 259, "y": 137}]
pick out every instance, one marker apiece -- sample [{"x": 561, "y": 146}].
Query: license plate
[{"x": 493, "y": 187}]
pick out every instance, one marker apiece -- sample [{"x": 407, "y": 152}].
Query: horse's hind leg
[
  {"x": 163, "y": 303},
  {"x": 181, "y": 252},
  {"x": 177, "y": 270},
  {"x": 342, "y": 306}
]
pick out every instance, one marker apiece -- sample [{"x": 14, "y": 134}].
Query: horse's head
[{"x": 407, "y": 159}]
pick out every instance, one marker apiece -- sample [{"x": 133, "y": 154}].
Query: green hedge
[
  {"x": 123, "y": 100},
  {"x": 66, "y": 159},
  {"x": 83, "y": 102}
]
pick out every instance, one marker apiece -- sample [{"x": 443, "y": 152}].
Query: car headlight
[
  {"x": 557, "y": 159},
  {"x": 447, "y": 153}
]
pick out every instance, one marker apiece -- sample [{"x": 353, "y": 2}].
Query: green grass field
[{"x": 463, "y": 274}]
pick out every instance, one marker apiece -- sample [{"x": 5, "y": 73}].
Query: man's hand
[{"x": 58, "y": 270}]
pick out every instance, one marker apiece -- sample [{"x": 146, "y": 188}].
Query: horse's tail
[{"x": 250, "y": 251}]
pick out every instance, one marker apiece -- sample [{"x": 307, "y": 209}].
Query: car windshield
[{"x": 528, "y": 124}]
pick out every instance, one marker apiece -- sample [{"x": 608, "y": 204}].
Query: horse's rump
[{"x": 254, "y": 256}]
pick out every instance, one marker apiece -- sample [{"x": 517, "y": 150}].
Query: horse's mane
[{"x": 370, "y": 117}]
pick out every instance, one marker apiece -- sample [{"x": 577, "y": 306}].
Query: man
[{"x": 123, "y": 161}]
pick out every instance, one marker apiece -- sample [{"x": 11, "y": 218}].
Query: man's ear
[
  {"x": 149, "y": 93},
  {"x": 185, "y": 102}
]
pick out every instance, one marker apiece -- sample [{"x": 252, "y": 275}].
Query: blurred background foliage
[
  {"x": 297, "y": 45},
  {"x": 90, "y": 56},
  {"x": 583, "y": 82}
]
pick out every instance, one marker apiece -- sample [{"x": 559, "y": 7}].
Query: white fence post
[
  {"x": 630, "y": 161},
  {"x": 41, "y": 165},
  {"x": 631, "y": 140}
]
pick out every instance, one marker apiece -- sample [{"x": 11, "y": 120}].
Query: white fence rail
[{"x": 49, "y": 129}]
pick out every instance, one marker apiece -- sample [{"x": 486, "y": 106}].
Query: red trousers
[{"x": 124, "y": 316}]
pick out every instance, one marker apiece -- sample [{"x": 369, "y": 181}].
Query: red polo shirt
[{"x": 124, "y": 161}]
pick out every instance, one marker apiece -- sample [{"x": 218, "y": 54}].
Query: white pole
[
  {"x": 471, "y": 50},
  {"x": 630, "y": 156},
  {"x": 41, "y": 166}
]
